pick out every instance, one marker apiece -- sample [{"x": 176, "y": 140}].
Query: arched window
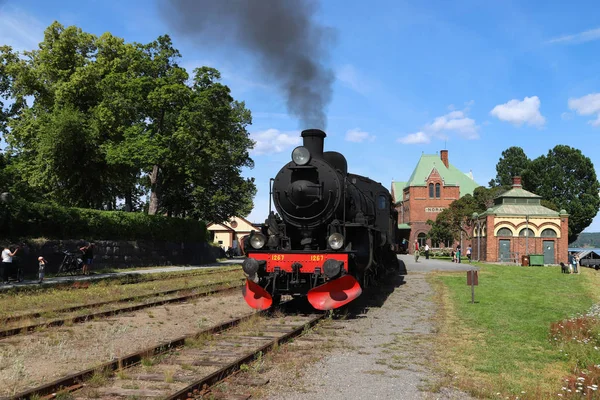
[
  {"x": 381, "y": 202},
  {"x": 549, "y": 233},
  {"x": 431, "y": 190},
  {"x": 437, "y": 190},
  {"x": 526, "y": 232},
  {"x": 504, "y": 232},
  {"x": 422, "y": 238}
]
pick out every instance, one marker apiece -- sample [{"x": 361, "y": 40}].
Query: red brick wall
[
  {"x": 415, "y": 209},
  {"x": 562, "y": 247},
  {"x": 491, "y": 242},
  {"x": 535, "y": 245}
]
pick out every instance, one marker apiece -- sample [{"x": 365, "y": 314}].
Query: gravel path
[{"x": 387, "y": 352}]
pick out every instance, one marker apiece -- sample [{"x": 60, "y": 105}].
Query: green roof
[
  {"x": 519, "y": 192},
  {"x": 522, "y": 209},
  {"x": 403, "y": 226},
  {"x": 451, "y": 175},
  {"x": 397, "y": 188},
  {"x": 518, "y": 201}
]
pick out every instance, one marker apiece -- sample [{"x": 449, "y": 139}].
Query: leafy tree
[
  {"x": 458, "y": 216},
  {"x": 440, "y": 232},
  {"x": 113, "y": 120},
  {"x": 566, "y": 178},
  {"x": 513, "y": 162},
  {"x": 484, "y": 197}
]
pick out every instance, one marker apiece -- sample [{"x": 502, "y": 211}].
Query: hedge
[{"x": 20, "y": 219}]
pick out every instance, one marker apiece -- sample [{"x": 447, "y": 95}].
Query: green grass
[{"x": 502, "y": 342}]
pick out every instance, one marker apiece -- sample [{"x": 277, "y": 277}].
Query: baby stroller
[{"x": 71, "y": 264}]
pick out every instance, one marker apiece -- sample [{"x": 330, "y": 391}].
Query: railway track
[
  {"x": 183, "y": 367},
  {"x": 204, "y": 290}
]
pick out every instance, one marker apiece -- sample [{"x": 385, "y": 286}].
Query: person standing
[
  {"x": 42, "y": 267},
  {"x": 458, "y": 254},
  {"x": 469, "y": 253},
  {"x": 426, "y": 251},
  {"x": 7, "y": 259},
  {"x": 416, "y": 250},
  {"x": 575, "y": 262},
  {"x": 88, "y": 257},
  {"x": 571, "y": 263}
]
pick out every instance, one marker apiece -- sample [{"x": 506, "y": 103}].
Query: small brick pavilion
[{"x": 516, "y": 225}]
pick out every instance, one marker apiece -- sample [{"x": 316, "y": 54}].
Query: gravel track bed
[
  {"x": 385, "y": 353},
  {"x": 31, "y": 360}
]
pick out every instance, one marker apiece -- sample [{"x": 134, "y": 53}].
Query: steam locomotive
[{"x": 333, "y": 235}]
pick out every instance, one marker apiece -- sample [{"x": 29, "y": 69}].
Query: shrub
[{"x": 21, "y": 219}]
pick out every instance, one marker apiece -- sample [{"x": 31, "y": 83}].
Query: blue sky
[{"x": 411, "y": 77}]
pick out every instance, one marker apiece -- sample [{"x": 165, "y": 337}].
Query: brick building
[
  {"x": 433, "y": 185},
  {"x": 516, "y": 225}
]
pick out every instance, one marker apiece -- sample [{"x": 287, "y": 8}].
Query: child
[{"x": 42, "y": 266}]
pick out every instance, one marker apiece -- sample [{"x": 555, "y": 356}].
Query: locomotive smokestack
[{"x": 313, "y": 141}]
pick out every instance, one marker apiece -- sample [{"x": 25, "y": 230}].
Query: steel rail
[
  {"x": 74, "y": 380},
  {"x": 82, "y": 318},
  {"x": 39, "y": 314},
  {"x": 125, "y": 278},
  {"x": 234, "y": 366}
]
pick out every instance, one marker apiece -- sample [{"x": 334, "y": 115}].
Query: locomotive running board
[
  {"x": 335, "y": 293},
  {"x": 256, "y": 296}
]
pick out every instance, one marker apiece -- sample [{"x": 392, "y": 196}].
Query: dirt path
[{"x": 386, "y": 352}]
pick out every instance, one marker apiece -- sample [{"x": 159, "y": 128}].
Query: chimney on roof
[
  {"x": 516, "y": 182},
  {"x": 444, "y": 157}
]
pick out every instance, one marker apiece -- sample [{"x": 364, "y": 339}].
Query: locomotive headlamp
[
  {"x": 301, "y": 155},
  {"x": 258, "y": 240},
  {"x": 336, "y": 241}
]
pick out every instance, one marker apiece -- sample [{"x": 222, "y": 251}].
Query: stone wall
[{"x": 117, "y": 254}]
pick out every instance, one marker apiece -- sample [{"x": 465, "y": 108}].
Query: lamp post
[{"x": 478, "y": 224}]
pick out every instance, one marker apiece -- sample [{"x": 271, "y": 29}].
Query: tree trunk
[
  {"x": 153, "y": 206},
  {"x": 128, "y": 201}
]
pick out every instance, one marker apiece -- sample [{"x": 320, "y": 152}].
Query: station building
[
  {"x": 517, "y": 225},
  {"x": 229, "y": 233},
  {"x": 433, "y": 185}
]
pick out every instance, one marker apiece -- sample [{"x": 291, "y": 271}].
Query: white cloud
[
  {"x": 19, "y": 30},
  {"x": 415, "y": 138},
  {"x": 587, "y": 105},
  {"x": 566, "y": 116},
  {"x": 358, "y": 136},
  {"x": 520, "y": 112},
  {"x": 456, "y": 121},
  {"x": 350, "y": 77},
  {"x": 274, "y": 141},
  {"x": 581, "y": 37}
]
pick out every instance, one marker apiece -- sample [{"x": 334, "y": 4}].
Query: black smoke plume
[{"x": 291, "y": 47}]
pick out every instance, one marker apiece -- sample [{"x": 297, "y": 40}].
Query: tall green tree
[
  {"x": 513, "y": 162},
  {"x": 566, "y": 178},
  {"x": 458, "y": 216},
  {"x": 112, "y": 121}
]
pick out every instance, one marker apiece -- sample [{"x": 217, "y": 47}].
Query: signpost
[{"x": 472, "y": 280}]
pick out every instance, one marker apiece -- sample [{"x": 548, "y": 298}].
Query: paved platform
[
  {"x": 424, "y": 265},
  {"x": 61, "y": 280}
]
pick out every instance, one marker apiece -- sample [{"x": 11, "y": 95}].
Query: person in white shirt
[
  {"x": 7, "y": 258},
  {"x": 426, "y": 251}
]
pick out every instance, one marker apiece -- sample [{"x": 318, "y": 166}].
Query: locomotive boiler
[{"x": 332, "y": 235}]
